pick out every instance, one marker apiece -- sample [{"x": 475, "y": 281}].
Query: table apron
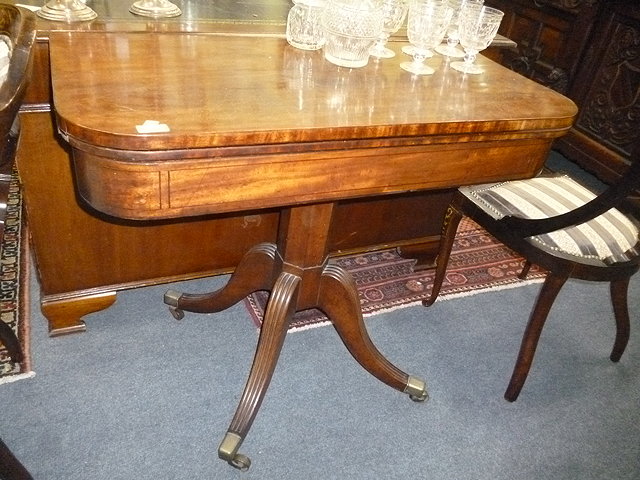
[{"x": 171, "y": 188}]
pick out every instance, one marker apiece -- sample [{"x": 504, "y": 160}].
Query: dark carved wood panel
[
  {"x": 551, "y": 36},
  {"x": 589, "y": 50},
  {"x": 611, "y": 107}
]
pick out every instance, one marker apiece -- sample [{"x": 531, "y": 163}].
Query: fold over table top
[
  {"x": 218, "y": 90},
  {"x": 290, "y": 126}
]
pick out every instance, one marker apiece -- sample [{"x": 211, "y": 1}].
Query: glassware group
[{"x": 351, "y": 31}]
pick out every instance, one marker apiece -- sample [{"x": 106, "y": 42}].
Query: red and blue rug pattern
[{"x": 386, "y": 281}]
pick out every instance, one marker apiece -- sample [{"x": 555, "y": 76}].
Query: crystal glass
[
  {"x": 478, "y": 28},
  {"x": 155, "y": 8},
  {"x": 304, "y": 30},
  {"x": 451, "y": 49},
  {"x": 394, "y": 13},
  {"x": 351, "y": 28},
  {"x": 426, "y": 27}
]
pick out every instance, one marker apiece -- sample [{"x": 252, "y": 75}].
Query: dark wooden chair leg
[
  {"x": 546, "y": 297},
  {"x": 10, "y": 342},
  {"x": 450, "y": 227},
  {"x": 10, "y": 466},
  {"x": 525, "y": 270},
  {"x": 619, "y": 289}
]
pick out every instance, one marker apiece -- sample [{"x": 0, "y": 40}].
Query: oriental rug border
[
  {"x": 386, "y": 281},
  {"x": 14, "y": 284}
]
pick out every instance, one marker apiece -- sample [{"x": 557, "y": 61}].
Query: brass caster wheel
[
  {"x": 241, "y": 462},
  {"x": 172, "y": 298},
  {"x": 228, "y": 451},
  {"x": 420, "y": 398},
  {"x": 177, "y": 313},
  {"x": 416, "y": 389}
]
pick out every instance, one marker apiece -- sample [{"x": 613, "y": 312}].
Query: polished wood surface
[
  {"x": 269, "y": 126},
  {"x": 245, "y": 90},
  {"x": 232, "y": 121}
]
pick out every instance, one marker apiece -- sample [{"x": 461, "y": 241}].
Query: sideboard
[
  {"x": 590, "y": 51},
  {"x": 83, "y": 257}
]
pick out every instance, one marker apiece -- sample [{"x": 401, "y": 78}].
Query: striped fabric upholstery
[{"x": 611, "y": 237}]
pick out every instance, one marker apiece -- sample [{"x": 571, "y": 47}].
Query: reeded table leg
[
  {"x": 257, "y": 270},
  {"x": 280, "y": 309},
  {"x": 339, "y": 300}
]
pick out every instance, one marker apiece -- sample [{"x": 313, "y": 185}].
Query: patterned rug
[
  {"x": 13, "y": 285},
  {"x": 387, "y": 281}
]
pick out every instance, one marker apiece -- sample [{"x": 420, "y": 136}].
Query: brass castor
[
  {"x": 241, "y": 462},
  {"x": 228, "y": 451},
  {"x": 416, "y": 389},
  {"x": 171, "y": 298}
]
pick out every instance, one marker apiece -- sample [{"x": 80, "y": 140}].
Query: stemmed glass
[
  {"x": 478, "y": 28},
  {"x": 394, "y": 14},
  {"x": 427, "y": 24},
  {"x": 453, "y": 37}
]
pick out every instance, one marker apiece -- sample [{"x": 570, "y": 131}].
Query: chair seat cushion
[{"x": 612, "y": 237}]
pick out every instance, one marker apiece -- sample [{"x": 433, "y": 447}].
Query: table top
[
  {"x": 220, "y": 90},
  {"x": 252, "y": 122}
]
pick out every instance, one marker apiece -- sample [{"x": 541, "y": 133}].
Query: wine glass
[
  {"x": 427, "y": 24},
  {"x": 478, "y": 28},
  {"x": 394, "y": 13},
  {"x": 450, "y": 49}
]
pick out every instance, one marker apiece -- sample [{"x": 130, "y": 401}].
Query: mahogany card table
[
  {"x": 172, "y": 126},
  {"x": 82, "y": 274}
]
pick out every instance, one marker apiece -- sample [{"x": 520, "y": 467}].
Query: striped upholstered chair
[{"x": 555, "y": 223}]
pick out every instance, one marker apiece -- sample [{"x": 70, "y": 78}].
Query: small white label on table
[{"x": 152, "y": 126}]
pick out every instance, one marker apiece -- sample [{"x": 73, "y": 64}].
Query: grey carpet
[{"x": 142, "y": 396}]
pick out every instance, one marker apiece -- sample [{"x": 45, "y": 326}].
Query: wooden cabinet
[{"x": 590, "y": 51}]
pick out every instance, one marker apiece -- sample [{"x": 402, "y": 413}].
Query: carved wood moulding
[
  {"x": 611, "y": 110},
  {"x": 569, "y": 5},
  {"x": 530, "y": 64}
]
